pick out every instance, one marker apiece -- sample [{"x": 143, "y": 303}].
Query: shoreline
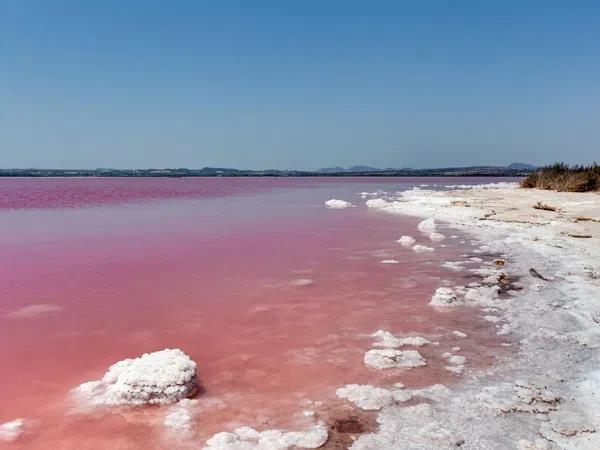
[{"x": 544, "y": 396}]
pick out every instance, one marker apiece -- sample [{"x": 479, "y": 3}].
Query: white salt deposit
[
  {"x": 459, "y": 334},
  {"x": 406, "y": 241},
  {"x": 246, "y": 438},
  {"x": 388, "y": 340},
  {"x": 366, "y": 397},
  {"x": 180, "y": 419},
  {"x": 390, "y": 358},
  {"x": 421, "y": 248},
  {"x": 303, "y": 282},
  {"x": 162, "y": 377},
  {"x": 436, "y": 237},
  {"x": 11, "y": 431},
  {"x": 427, "y": 226},
  {"x": 556, "y": 322},
  {"x": 338, "y": 204},
  {"x": 444, "y": 296},
  {"x": 389, "y": 261},
  {"x": 33, "y": 311}
]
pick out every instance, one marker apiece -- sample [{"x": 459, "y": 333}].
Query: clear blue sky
[{"x": 298, "y": 84}]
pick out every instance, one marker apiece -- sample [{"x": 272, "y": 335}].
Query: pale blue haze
[{"x": 298, "y": 84}]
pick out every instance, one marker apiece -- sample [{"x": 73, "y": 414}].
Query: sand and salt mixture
[{"x": 532, "y": 276}]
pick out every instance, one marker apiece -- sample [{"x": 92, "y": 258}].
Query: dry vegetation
[
  {"x": 563, "y": 178},
  {"x": 544, "y": 206}
]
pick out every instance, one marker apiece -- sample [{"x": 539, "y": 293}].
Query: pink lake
[{"x": 210, "y": 266}]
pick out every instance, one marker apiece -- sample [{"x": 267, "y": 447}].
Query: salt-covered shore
[{"x": 546, "y": 395}]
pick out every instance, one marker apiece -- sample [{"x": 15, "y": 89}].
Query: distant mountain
[
  {"x": 331, "y": 170},
  {"x": 363, "y": 169},
  {"x": 521, "y": 166},
  {"x": 515, "y": 169}
]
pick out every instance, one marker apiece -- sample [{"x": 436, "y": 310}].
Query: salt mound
[
  {"x": 443, "y": 297},
  {"x": 427, "y": 226},
  {"x": 388, "y": 340},
  {"x": 162, "y": 377},
  {"x": 390, "y": 261},
  {"x": 246, "y": 438},
  {"x": 406, "y": 240},
  {"x": 338, "y": 204},
  {"x": 436, "y": 237},
  {"x": 366, "y": 397},
  {"x": 11, "y": 431},
  {"x": 389, "y": 358}
]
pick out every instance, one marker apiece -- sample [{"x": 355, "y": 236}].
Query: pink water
[{"x": 129, "y": 266}]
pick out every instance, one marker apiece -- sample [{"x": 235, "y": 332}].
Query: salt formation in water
[
  {"x": 180, "y": 418},
  {"x": 444, "y": 297},
  {"x": 162, "y": 377},
  {"x": 11, "y": 431},
  {"x": 422, "y": 248},
  {"x": 406, "y": 241},
  {"x": 436, "y": 237},
  {"x": 390, "y": 358},
  {"x": 338, "y": 204},
  {"x": 388, "y": 340},
  {"x": 303, "y": 282},
  {"x": 33, "y": 311},
  {"x": 366, "y": 397},
  {"x": 246, "y": 438},
  {"x": 427, "y": 226},
  {"x": 389, "y": 261}
]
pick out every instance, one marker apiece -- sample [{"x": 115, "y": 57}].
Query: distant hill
[
  {"x": 515, "y": 169},
  {"x": 520, "y": 166},
  {"x": 331, "y": 170},
  {"x": 363, "y": 169}
]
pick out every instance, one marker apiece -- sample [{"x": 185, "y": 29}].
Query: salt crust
[
  {"x": 388, "y": 340},
  {"x": 338, "y": 204},
  {"x": 421, "y": 248},
  {"x": 246, "y": 438},
  {"x": 406, "y": 241},
  {"x": 390, "y": 358},
  {"x": 158, "y": 378},
  {"x": 556, "y": 322},
  {"x": 12, "y": 431}
]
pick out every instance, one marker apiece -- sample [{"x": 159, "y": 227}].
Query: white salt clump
[
  {"x": 246, "y": 438},
  {"x": 388, "y": 340},
  {"x": 33, "y": 311},
  {"x": 366, "y": 397},
  {"x": 303, "y": 282},
  {"x": 444, "y": 296},
  {"x": 162, "y": 377},
  {"x": 406, "y": 241},
  {"x": 338, "y": 204},
  {"x": 493, "y": 319},
  {"x": 389, "y": 358},
  {"x": 436, "y": 237},
  {"x": 459, "y": 334},
  {"x": 389, "y": 261},
  {"x": 427, "y": 226},
  {"x": 454, "y": 359},
  {"x": 483, "y": 294},
  {"x": 421, "y": 248},
  {"x": 11, "y": 431},
  {"x": 453, "y": 265}
]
